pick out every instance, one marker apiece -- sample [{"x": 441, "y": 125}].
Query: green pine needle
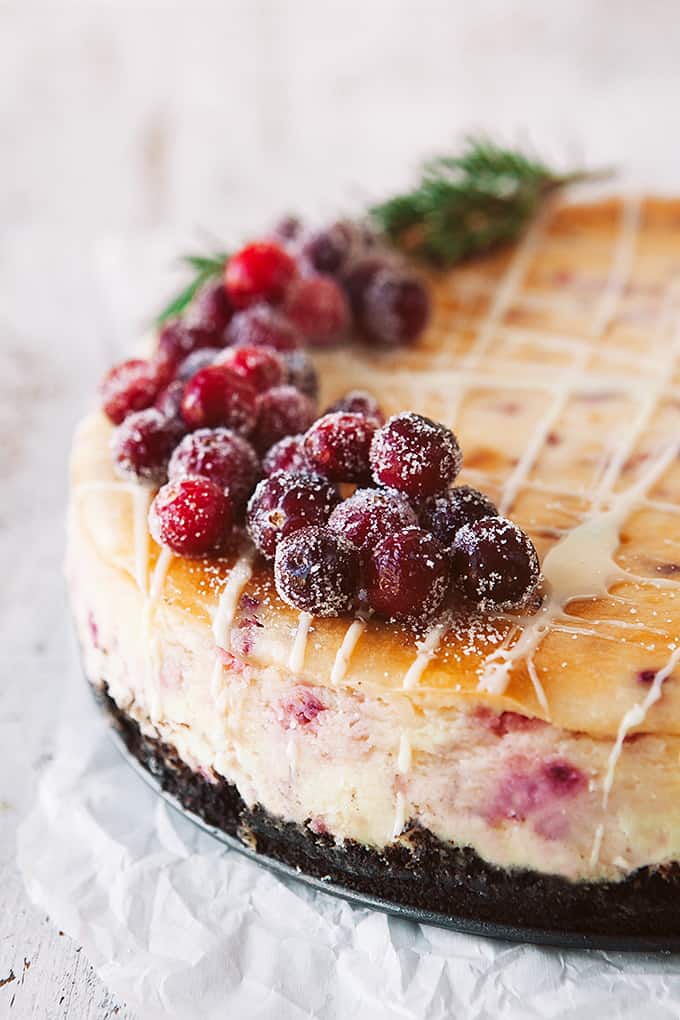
[{"x": 205, "y": 268}]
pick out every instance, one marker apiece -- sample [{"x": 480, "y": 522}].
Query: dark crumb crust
[{"x": 421, "y": 871}]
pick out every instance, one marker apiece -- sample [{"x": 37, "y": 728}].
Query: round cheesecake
[{"x": 514, "y": 767}]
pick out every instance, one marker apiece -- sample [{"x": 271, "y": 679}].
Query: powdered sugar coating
[
  {"x": 130, "y": 386},
  {"x": 221, "y": 455},
  {"x": 142, "y": 445},
  {"x": 286, "y": 502},
  {"x": 495, "y": 564},
  {"x": 191, "y": 516},
  {"x": 217, "y": 396},
  {"x": 407, "y": 575},
  {"x": 301, "y": 372},
  {"x": 316, "y": 570},
  {"x": 337, "y": 446},
  {"x": 358, "y": 402},
  {"x": 444, "y": 516},
  {"x": 369, "y": 515},
  {"x": 415, "y": 455},
  {"x": 263, "y": 326},
  {"x": 281, "y": 411},
  {"x": 286, "y": 455}
]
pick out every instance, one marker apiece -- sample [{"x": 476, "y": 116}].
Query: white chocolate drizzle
[
  {"x": 346, "y": 650},
  {"x": 223, "y": 619},
  {"x": 297, "y": 653},
  {"x": 426, "y": 650},
  {"x": 141, "y": 501},
  {"x": 405, "y": 755}
]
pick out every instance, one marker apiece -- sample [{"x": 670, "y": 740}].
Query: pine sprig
[
  {"x": 464, "y": 205},
  {"x": 205, "y": 268}
]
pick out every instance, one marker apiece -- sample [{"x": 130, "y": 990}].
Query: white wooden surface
[{"x": 128, "y": 127}]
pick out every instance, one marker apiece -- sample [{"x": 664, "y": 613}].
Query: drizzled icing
[
  {"x": 346, "y": 650},
  {"x": 426, "y": 650},
  {"x": 297, "y": 653},
  {"x": 223, "y": 619}
]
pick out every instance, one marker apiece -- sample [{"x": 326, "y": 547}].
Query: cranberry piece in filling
[
  {"x": 222, "y": 456},
  {"x": 262, "y": 368},
  {"x": 318, "y": 307},
  {"x": 396, "y": 307},
  {"x": 407, "y": 575},
  {"x": 211, "y": 309},
  {"x": 369, "y": 515},
  {"x": 141, "y": 446},
  {"x": 286, "y": 502},
  {"x": 495, "y": 564},
  {"x": 359, "y": 402},
  {"x": 301, "y": 708},
  {"x": 261, "y": 271},
  {"x": 327, "y": 250},
  {"x": 317, "y": 570},
  {"x": 191, "y": 516},
  {"x": 445, "y": 515},
  {"x": 337, "y": 446},
  {"x": 286, "y": 455},
  {"x": 217, "y": 396},
  {"x": 176, "y": 342},
  {"x": 262, "y": 326},
  {"x": 131, "y": 386},
  {"x": 281, "y": 411},
  {"x": 301, "y": 373},
  {"x": 415, "y": 455}
]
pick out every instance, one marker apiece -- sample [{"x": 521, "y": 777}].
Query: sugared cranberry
[
  {"x": 495, "y": 564},
  {"x": 176, "y": 342},
  {"x": 259, "y": 272},
  {"x": 222, "y": 456},
  {"x": 318, "y": 307},
  {"x": 281, "y": 411},
  {"x": 261, "y": 367},
  {"x": 191, "y": 516},
  {"x": 262, "y": 326},
  {"x": 328, "y": 250},
  {"x": 131, "y": 386},
  {"x": 359, "y": 402},
  {"x": 286, "y": 455},
  {"x": 396, "y": 307},
  {"x": 211, "y": 309},
  {"x": 286, "y": 502},
  {"x": 142, "y": 444},
  {"x": 358, "y": 279},
  {"x": 337, "y": 446},
  {"x": 317, "y": 571},
  {"x": 195, "y": 361},
  {"x": 217, "y": 396},
  {"x": 445, "y": 515},
  {"x": 415, "y": 455},
  {"x": 407, "y": 575},
  {"x": 369, "y": 515},
  {"x": 288, "y": 228},
  {"x": 169, "y": 400},
  {"x": 301, "y": 373}
]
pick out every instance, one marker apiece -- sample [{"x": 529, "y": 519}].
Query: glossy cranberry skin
[
  {"x": 141, "y": 446},
  {"x": 337, "y": 446},
  {"x": 359, "y": 402},
  {"x": 281, "y": 411},
  {"x": 396, "y": 308},
  {"x": 130, "y": 386},
  {"x": 415, "y": 455},
  {"x": 317, "y": 571},
  {"x": 222, "y": 456},
  {"x": 262, "y": 326},
  {"x": 195, "y": 361},
  {"x": 369, "y": 515},
  {"x": 176, "y": 342},
  {"x": 407, "y": 575},
  {"x": 301, "y": 373},
  {"x": 495, "y": 564},
  {"x": 261, "y": 271},
  {"x": 217, "y": 396},
  {"x": 286, "y": 455},
  {"x": 286, "y": 502},
  {"x": 443, "y": 516},
  {"x": 211, "y": 309},
  {"x": 317, "y": 305},
  {"x": 191, "y": 516},
  {"x": 328, "y": 250},
  {"x": 260, "y": 367}
]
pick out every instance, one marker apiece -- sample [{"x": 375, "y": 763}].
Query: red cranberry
[
  {"x": 396, "y": 307},
  {"x": 301, "y": 373},
  {"x": 318, "y": 307},
  {"x": 288, "y": 228},
  {"x": 262, "y": 368},
  {"x": 407, "y": 575},
  {"x": 328, "y": 250},
  {"x": 317, "y": 571},
  {"x": 281, "y": 411},
  {"x": 495, "y": 564},
  {"x": 286, "y": 455},
  {"x": 176, "y": 342},
  {"x": 445, "y": 515},
  {"x": 369, "y": 515},
  {"x": 359, "y": 402},
  {"x": 195, "y": 361},
  {"x": 357, "y": 280},
  {"x": 191, "y": 516},
  {"x": 131, "y": 386},
  {"x": 142, "y": 444},
  {"x": 217, "y": 396},
  {"x": 261, "y": 271},
  {"x": 222, "y": 456},
  {"x": 415, "y": 455},
  {"x": 169, "y": 400},
  {"x": 211, "y": 309},
  {"x": 262, "y": 326},
  {"x": 337, "y": 446},
  {"x": 286, "y": 502},
  {"x": 301, "y": 708}
]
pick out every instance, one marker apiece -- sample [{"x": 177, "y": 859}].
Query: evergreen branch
[{"x": 205, "y": 268}]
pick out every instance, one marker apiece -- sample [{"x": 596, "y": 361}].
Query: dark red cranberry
[
  {"x": 318, "y": 307},
  {"x": 169, "y": 400},
  {"x": 337, "y": 446},
  {"x": 217, "y": 396},
  {"x": 262, "y": 326},
  {"x": 407, "y": 575},
  {"x": 142, "y": 445},
  {"x": 415, "y": 455},
  {"x": 317, "y": 571},
  {"x": 301, "y": 373},
  {"x": 261, "y": 271},
  {"x": 286, "y": 455},
  {"x": 261, "y": 367},
  {"x": 396, "y": 307},
  {"x": 195, "y": 361},
  {"x": 357, "y": 280},
  {"x": 359, "y": 402},
  {"x": 222, "y": 456},
  {"x": 647, "y": 676},
  {"x": 301, "y": 708},
  {"x": 445, "y": 515},
  {"x": 176, "y": 342},
  {"x": 191, "y": 516},
  {"x": 288, "y": 228},
  {"x": 211, "y": 309},
  {"x": 369, "y": 515},
  {"x": 281, "y": 411},
  {"x": 328, "y": 250},
  {"x": 286, "y": 502},
  {"x": 131, "y": 386},
  {"x": 495, "y": 564}
]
